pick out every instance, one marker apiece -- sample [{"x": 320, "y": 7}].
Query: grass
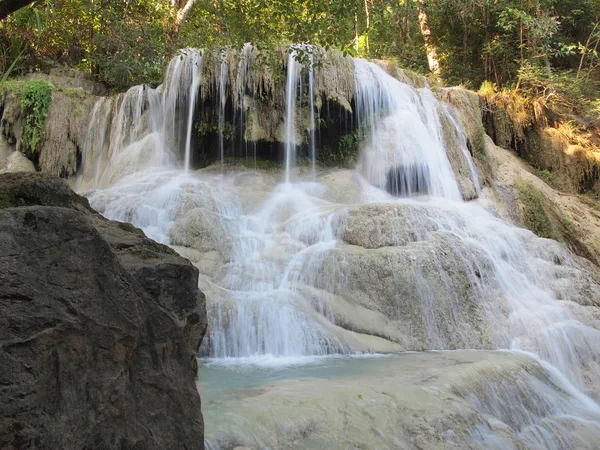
[{"x": 548, "y": 178}]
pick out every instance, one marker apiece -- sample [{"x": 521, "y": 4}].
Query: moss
[
  {"x": 590, "y": 201},
  {"x": 13, "y": 198},
  {"x": 75, "y": 92},
  {"x": 334, "y": 79},
  {"x": 535, "y": 211},
  {"x": 6, "y": 201},
  {"x": 545, "y": 219},
  {"x": 14, "y": 87},
  {"x": 131, "y": 228},
  {"x": 253, "y": 163},
  {"x": 149, "y": 249},
  {"x": 342, "y": 101}
]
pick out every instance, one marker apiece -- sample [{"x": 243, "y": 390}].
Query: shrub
[{"x": 35, "y": 103}]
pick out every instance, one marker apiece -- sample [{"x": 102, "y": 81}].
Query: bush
[{"x": 35, "y": 103}]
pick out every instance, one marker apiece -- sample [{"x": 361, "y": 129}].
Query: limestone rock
[
  {"x": 66, "y": 126},
  {"x": 406, "y": 270},
  {"x": 99, "y": 328},
  {"x": 74, "y": 79},
  {"x": 202, "y": 230},
  {"x": 16, "y": 162},
  {"x": 426, "y": 298},
  {"x": 12, "y": 123}
]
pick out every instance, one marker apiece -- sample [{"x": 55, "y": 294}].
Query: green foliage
[
  {"x": 548, "y": 177},
  {"x": 35, "y": 103},
  {"x": 530, "y": 44},
  {"x": 268, "y": 24},
  {"x": 567, "y": 224},
  {"x": 345, "y": 153},
  {"x": 560, "y": 91},
  {"x": 122, "y": 43}
]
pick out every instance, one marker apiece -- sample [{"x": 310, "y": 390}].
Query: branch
[
  {"x": 183, "y": 13},
  {"x": 585, "y": 48},
  {"x": 8, "y": 7}
]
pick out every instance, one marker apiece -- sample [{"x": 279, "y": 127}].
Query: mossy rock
[
  {"x": 536, "y": 212},
  {"x": 545, "y": 219},
  {"x": 31, "y": 189},
  {"x": 149, "y": 249},
  {"x": 131, "y": 228}
]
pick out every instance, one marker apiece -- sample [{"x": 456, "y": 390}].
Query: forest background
[{"x": 545, "y": 50}]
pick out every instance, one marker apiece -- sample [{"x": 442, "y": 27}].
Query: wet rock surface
[
  {"x": 440, "y": 400},
  {"x": 99, "y": 328}
]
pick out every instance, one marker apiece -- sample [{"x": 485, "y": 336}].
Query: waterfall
[
  {"x": 313, "y": 126},
  {"x": 405, "y": 145},
  {"x": 222, "y": 97},
  {"x": 293, "y": 78},
  {"x": 381, "y": 259},
  {"x": 195, "y": 60},
  {"x": 182, "y": 81},
  {"x": 239, "y": 94}
]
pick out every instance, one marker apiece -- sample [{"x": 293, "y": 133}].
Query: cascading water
[
  {"x": 293, "y": 79},
  {"x": 222, "y": 96},
  {"x": 313, "y": 125},
  {"x": 195, "y": 62},
  {"x": 383, "y": 259},
  {"x": 405, "y": 136}
]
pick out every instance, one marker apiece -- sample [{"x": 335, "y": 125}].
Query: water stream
[{"x": 297, "y": 267}]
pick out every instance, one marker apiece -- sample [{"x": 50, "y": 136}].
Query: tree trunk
[
  {"x": 432, "y": 58},
  {"x": 10, "y": 6},
  {"x": 182, "y": 13}
]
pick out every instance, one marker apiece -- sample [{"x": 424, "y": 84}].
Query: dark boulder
[{"x": 99, "y": 328}]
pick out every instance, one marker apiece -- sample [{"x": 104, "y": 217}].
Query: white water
[
  {"x": 222, "y": 97},
  {"x": 312, "y": 133},
  {"x": 405, "y": 133},
  {"x": 280, "y": 264},
  {"x": 292, "y": 85}
]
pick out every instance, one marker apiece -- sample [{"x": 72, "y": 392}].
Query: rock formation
[{"x": 99, "y": 328}]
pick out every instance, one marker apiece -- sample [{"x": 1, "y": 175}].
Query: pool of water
[{"x": 451, "y": 399}]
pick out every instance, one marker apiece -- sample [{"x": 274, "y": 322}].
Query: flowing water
[
  {"x": 298, "y": 268},
  {"x": 292, "y": 85}
]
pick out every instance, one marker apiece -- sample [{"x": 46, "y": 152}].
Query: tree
[{"x": 432, "y": 57}]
